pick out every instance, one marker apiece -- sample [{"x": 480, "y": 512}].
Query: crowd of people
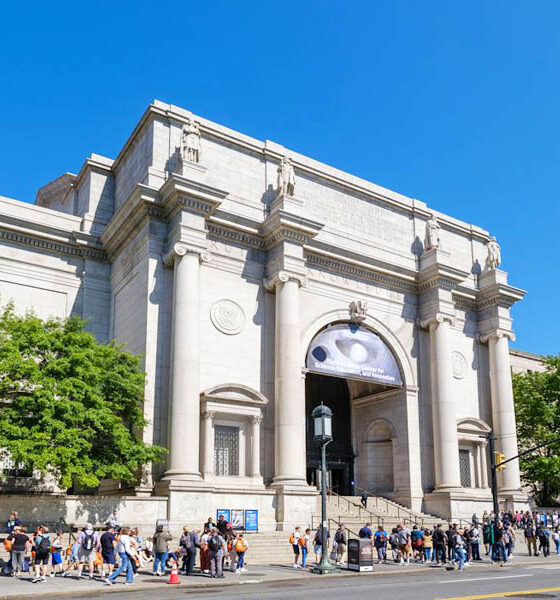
[
  {"x": 452, "y": 546},
  {"x": 117, "y": 550}
]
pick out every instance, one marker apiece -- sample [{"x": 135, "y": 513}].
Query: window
[
  {"x": 10, "y": 469},
  {"x": 226, "y": 450},
  {"x": 465, "y": 467}
]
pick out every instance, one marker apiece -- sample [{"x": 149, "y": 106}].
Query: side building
[{"x": 257, "y": 283}]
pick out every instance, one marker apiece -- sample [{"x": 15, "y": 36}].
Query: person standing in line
[
  {"x": 404, "y": 544},
  {"x": 475, "y": 542},
  {"x": 209, "y": 524},
  {"x": 509, "y": 541},
  {"x": 192, "y": 543},
  {"x": 428, "y": 546},
  {"x": 42, "y": 544},
  {"x": 450, "y": 544},
  {"x": 20, "y": 546},
  {"x": 113, "y": 520},
  {"x": 56, "y": 559},
  {"x": 240, "y": 549},
  {"x": 380, "y": 543},
  {"x": 89, "y": 545},
  {"x": 294, "y": 541},
  {"x": 439, "y": 538},
  {"x": 319, "y": 542},
  {"x": 556, "y": 540},
  {"x": 217, "y": 546},
  {"x": 304, "y": 543},
  {"x": 417, "y": 543},
  {"x": 205, "y": 552},
  {"x": 12, "y": 522},
  {"x": 394, "y": 541},
  {"x": 230, "y": 539},
  {"x": 125, "y": 552},
  {"x": 161, "y": 550},
  {"x": 108, "y": 543}
]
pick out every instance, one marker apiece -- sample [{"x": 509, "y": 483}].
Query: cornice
[
  {"x": 178, "y": 192},
  {"x": 283, "y": 225},
  {"x": 233, "y": 232}
]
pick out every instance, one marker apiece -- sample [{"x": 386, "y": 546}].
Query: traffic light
[{"x": 498, "y": 459}]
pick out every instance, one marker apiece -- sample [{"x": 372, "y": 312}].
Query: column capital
[
  {"x": 283, "y": 277},
  {"x": 483, "y": 338},
  {"x": 179, "y": 249},
  {"x": 256, "y": 419},
  {"x": 207, "y": 415},
  {"x": 434, "y": 320}
]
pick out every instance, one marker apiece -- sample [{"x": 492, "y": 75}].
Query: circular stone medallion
[
  {"x": 459, "y": 365},
  {"x": 227, "y": 316}
]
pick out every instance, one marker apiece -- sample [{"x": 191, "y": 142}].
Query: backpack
[
  {"x": 240, "y": 545},
  {"x": 44, "y": 544},
  {"x": 215, "y": 543},
  {"x": 87, "y": 543},
  {"x": 383, "y": 537},
  {"x": 292, "y": 539}
]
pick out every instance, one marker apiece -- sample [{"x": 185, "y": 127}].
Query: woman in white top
[{"x": 125, "y": 550}]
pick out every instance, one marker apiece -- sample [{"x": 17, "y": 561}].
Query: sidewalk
[{"x": 14, "y": 589}]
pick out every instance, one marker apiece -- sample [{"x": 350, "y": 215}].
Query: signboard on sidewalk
[{"x": 251, "y": 520}]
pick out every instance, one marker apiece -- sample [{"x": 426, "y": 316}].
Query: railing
[
  {"x": 369, "y": 516},
  {"x": 406, "y": 515}
]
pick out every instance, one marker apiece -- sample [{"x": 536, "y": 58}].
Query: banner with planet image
[{"x": 349, "y": 350}]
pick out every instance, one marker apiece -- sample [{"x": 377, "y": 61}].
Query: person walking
[
  {"x": 108, "y": 543},
  {"x": 498, "y": 548},
  {"x": 341, "y": 540},
  {"x": 509, "y": 541},
  {"x": 125, "y": 551},
  {"x": 459, "y": 552},
  {"x": 544, "y": 539},
  {"x": 73, "y": 559},
  {"x": 240, "y": 548},
  {"x": 161, "y": 550},
  {"x": 217, "y": 546},
  {"x": 20, "y": 545},
  {"x": 380, "y": 538},
  {"x": 42, "y": 544},
  {"x": 364, "y": 497}
]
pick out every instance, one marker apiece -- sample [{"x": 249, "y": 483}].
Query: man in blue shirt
[{"x": 366, "y": 532}]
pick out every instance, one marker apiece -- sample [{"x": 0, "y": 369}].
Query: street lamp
[{"x": 322, "y": 435}]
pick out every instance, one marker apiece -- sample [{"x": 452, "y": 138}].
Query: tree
[
  {"x": 537, "y": 406},
  {"x": 70, "y": 406}
]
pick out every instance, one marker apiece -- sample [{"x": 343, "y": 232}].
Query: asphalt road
[{"x": 542, "y": 582}]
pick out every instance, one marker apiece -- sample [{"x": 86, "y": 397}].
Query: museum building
[{"x": 257, "y": 283}]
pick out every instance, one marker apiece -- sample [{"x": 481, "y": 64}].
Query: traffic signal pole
[{"x": 492, "y": 446}]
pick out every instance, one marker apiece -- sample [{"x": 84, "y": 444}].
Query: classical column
[
  {"x": 208, "y": 434},
  {"x": 446, "y": 449},
  {"x": 184, "y": 401},
  {"x": 503, "y": 410},
  {"x": 289, "y": 404},
  {"x": 256, "y": 446}
]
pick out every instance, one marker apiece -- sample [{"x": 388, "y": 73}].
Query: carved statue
[
  {"x": 432, "y": 233},
  {"x": 358, "y": 310},
  {"x": 494, "y": 259},
  {"x": 286, "y": 177},
  {"x": 190, "y": 142}
]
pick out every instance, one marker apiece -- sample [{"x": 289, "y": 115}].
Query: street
[{"x": 540, "y": 581}]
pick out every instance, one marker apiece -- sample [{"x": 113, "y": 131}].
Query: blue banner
[
  {"x": 251, "y": 520},
  {"x": 349, "y": 350},
  {"x": 226, "y": 514}
]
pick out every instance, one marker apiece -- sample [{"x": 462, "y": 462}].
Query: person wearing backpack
[
  {"x": 295, "y": 537},
  {"x": 240, "y": 548},
  {"x": 218, "y": 549},
  {"x": 191, "y": 543},
  {"x": 341, "y": 540},
  {"x": 89, "y": 545},
  {"x": 380, "y": 538},
  {"x": 42, "y": 545},
  {"x": 304, "y": 543}
]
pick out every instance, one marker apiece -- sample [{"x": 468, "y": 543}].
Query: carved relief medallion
[
  {"x": 459, "y": 363},
  {"x": 227, "y": 316}
]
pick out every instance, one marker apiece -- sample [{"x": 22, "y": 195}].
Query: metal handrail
[
  {"x": 409, "y": 515},
  {"x": 371, "y": 516}
]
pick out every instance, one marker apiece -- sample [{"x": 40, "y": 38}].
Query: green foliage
[
  {"x": 69, "y": 406},
  {"x": 537, "y": 405}
]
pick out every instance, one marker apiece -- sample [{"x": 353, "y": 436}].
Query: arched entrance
[{"x": 346, "y": 364}]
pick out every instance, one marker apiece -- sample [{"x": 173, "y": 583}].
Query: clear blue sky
[{"x": 454, "y": 103}]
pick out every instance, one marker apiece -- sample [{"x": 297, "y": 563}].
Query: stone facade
[{"x": 219, "y": 261}]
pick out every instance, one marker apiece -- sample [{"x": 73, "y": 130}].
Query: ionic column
[
  {"x": 289, "y": 404},
  {"x": 256, "y": 446},
  {"x": 503, "y": 410},
  {"x": 446, "y": 449},
  {"x": 184, "y": 402},
  {"x": 208, "y": 434}
]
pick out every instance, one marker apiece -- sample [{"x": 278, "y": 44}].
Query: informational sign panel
[
  {"x": 225, "y": 512},
  {"x": 251, "y": 520},
  {"x": 164, "y": 523},
  {"x": 350, "y": 350},
  {"x": 237, "y": 519}
]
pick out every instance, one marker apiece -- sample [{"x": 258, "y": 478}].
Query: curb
[{"x": 343, "y": 574}]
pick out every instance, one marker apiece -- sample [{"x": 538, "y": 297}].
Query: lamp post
[{"x": 322, "y": 435}]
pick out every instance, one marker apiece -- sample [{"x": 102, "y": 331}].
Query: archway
[{"x": 348, "y": 367}]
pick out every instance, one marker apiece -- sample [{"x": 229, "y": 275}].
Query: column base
[{"x": 289, "y": 482}]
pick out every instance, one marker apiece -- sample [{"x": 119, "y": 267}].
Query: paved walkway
[{"x": 70, "y": 586}]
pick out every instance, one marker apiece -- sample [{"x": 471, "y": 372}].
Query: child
[
  {"x": 74, "y": 559},
  {"x": 304, "y": 543},
  {"x": 57, "y": 562}
]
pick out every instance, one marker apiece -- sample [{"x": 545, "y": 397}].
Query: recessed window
[
  {"x": 226, "y": 450},
  {"x": 465, "y": 467}
]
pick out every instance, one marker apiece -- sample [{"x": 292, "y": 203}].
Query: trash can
[{"x": 360, "y": 555}]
